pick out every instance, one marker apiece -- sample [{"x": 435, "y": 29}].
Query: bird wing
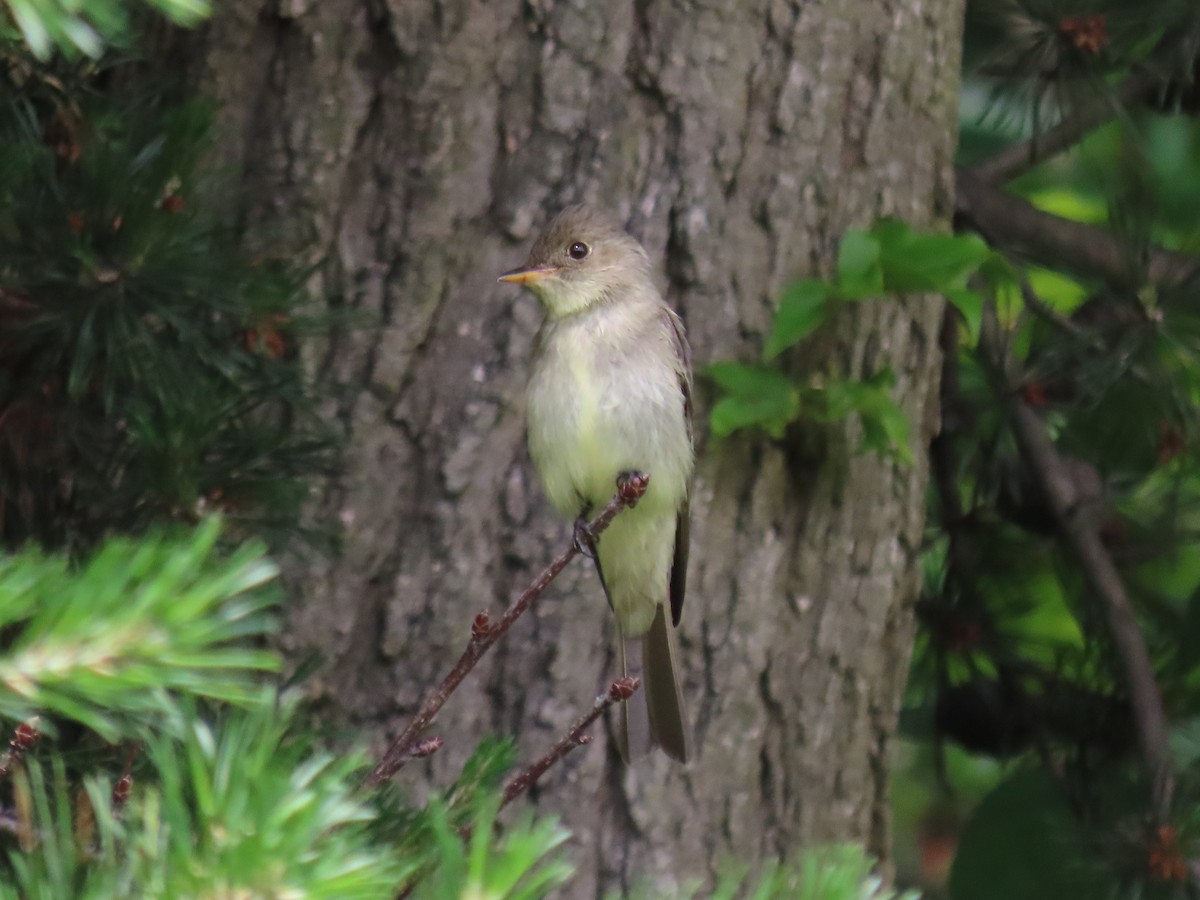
[{"x": 683, "y": 364}]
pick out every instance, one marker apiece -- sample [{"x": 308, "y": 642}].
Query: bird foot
[{"x": 585, "y": 540}]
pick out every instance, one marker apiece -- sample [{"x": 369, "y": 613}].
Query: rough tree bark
[{"x": 418, "y": 145}]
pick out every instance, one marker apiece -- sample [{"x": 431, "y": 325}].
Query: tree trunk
[{"x": 416, "y": 146}]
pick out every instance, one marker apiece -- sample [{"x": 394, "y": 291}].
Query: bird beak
[{"x": 525, "y": 275}]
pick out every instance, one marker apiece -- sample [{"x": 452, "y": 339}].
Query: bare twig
[
  {"x": 1079, "y": 531},
  {"x": 1011, "y": 222},
  {"x": 484, "y": 633},
  {"x": 618, "y": 692}
]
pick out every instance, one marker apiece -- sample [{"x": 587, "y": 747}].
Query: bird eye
[{"x": 578, "y": 250}]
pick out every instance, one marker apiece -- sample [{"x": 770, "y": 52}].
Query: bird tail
[{"x": 655, "y": 714}]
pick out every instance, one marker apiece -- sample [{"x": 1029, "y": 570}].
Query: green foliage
[
  {"x": 859, "y": 266},
  {"x": 236, "y": 809},
  {"x": 803, "y": 308},
  {"x": 148, "y": 641},
  {"x": 148, "y": 367},
  {"x": 115, "y": 644},
  {"x": 85, "y": 26},
  {"x": 1015, "y": 663},
  {"x": 753, "y": 396},
  {"x": 520, "y": 864},
  {"x": 1024, "y": 818},
  {"x": 456, "y": 845},
  {"x": 889, "y": 259}
]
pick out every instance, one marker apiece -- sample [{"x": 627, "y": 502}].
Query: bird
[{"x": 610, "y": 394}]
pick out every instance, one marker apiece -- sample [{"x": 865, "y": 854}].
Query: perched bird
[{"x": 610, "y": 393}]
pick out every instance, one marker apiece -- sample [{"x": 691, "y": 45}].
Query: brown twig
[
  {"x": 1011, "y": 222},
  {"x": 618, "y": 692},
  {"x": 1079, "y": 532},
  {"x": 484, "y": 633}
]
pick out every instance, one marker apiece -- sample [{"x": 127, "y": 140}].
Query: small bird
[{"x": 609, "y": 394}]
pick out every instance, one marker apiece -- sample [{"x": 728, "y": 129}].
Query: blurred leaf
[
  {"x": 1071, "y": 204},
  {"x": 1185, "y": 743},
  {"x": 85, "y": 26},
  {"x": 915, "y": 262},
  {"x": 969, "y": 304},
  {"x": 519, "y": 865},
  {"x": 802, "y": 309},
  {"x": 1060, "y": 292},
  {"x": 756, "y": 397},
  {"x": 482, "y": 773},
  {"x": 1188, "y": 656},
  {"x": 859, "y": 270},
  {"x": 1022, "y": 841},
  {"x": 885, "y": 425}
]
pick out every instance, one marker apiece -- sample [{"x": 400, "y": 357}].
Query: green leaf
[
  {"x": 860, "y": 273},
  {"x": 885, "y": 425},
  {"x": 802, "y": 309},
  {"x": 1060, "y": 292},
  {"x": 744, "y": 381},
  {"x": 1022, "y": 842},
  {"x": 885, "y": 430},
  {"x": 756, "y": 397},
  {"x": 33, "y": 26},
  {"x": 969, "y": 304},
  {"x": 1188, "y": 655},
  {"x": 913, "y": 262},
  {"x": 1185, "y": 743}
]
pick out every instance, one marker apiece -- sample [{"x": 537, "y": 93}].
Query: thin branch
[
  {"x": 484, "y": 633},
  {"x": 1017, "y": 159},
  {"x": 1011, "y": 222},
  {"x": 618, "y": 692},
  {"x": 1079, "y": 532}
]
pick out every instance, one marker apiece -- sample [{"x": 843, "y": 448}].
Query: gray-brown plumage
[{"x": 610, "y": 392}]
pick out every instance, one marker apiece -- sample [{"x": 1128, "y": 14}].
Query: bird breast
[{"x": 604, "y": 398}]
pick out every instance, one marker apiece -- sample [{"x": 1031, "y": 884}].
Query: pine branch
[
  {"x": 115, "y": 644},
  {"x": 1174, "y": 51},
  {"x": 1017, "y": 159},
  {"x": 1009, "y": 222},
  {"x": 484, "y": 634}
]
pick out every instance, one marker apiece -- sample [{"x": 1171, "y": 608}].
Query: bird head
[{"x": 583, "y": 258}]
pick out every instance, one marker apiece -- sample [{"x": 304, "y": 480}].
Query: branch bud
[
  {"x": 481, "y": 627},
  {"x": 427, "y": 747},
  {"x": 624, "y": 688},
  {"x": 632, "y": 485}
]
